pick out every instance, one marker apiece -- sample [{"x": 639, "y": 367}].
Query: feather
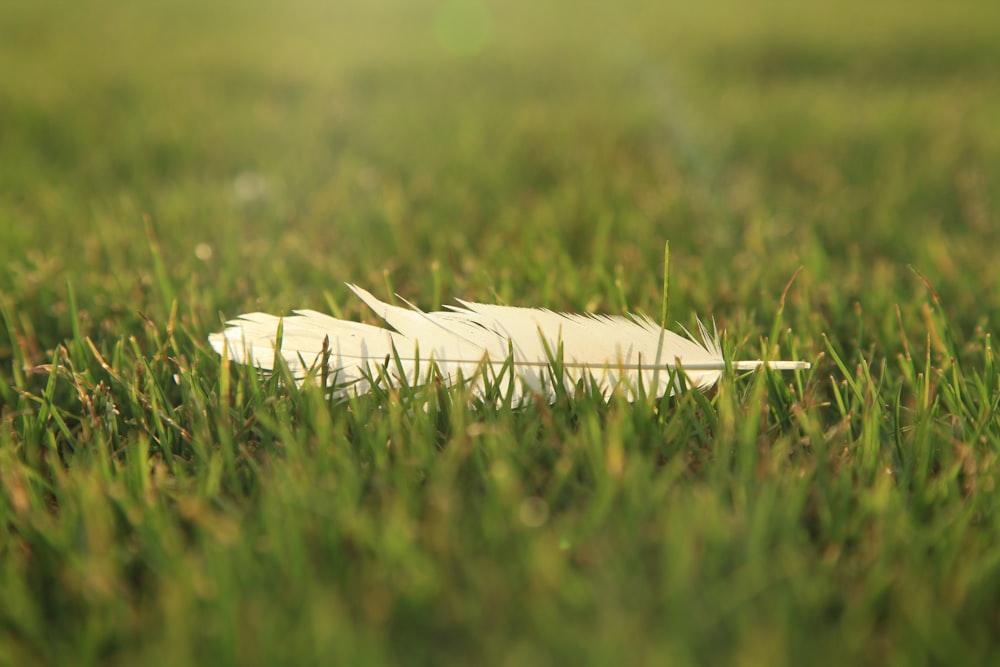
[{"x": 519, "y": 349}]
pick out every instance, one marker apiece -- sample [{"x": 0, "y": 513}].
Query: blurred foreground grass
[{"x": 164, "y": 165}]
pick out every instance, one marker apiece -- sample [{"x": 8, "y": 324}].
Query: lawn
[{"x": 826, "y": 174}]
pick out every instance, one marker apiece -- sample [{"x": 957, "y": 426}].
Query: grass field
[{"x": 164, "y": 166}]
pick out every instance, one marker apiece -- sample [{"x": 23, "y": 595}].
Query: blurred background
[{"x": 538, "y": 153}]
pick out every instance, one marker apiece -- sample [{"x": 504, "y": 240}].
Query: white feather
[{"x": 471, "y": 339}]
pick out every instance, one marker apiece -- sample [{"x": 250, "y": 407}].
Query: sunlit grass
[{"x": 826, "y": 180}]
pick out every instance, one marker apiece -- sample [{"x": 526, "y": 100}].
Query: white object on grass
[{"x": 518, "y": 350}]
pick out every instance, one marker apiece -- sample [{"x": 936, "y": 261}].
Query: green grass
[{"x": 166, "y": 165}]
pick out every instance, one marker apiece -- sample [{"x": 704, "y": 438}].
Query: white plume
[{"x": 475, "y": 341}]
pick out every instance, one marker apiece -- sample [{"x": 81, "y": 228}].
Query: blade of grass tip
[
  {"x": 324, "y": 360},
  {"x": 17, "y": 353},
  {"x": 224, "y": 377},
  {"x": 926, "y": 396},
  {"x": 159, "y": 268},
  {"x": 7, "y": 394},
  {"x": 76, "y": 344},
  {"x": 164, "y": 426},
  {"x": 666, "y": 285},
  {"x": 799, "y": 376},
  {"x": 709, "y": 419},
  {"x": 557, "y": 372},
  {"x": 279, "y": 337},
  {"x": 45, "y": 400},
  {"x": 902, "y": 336},
  {"x": 508, "y": 368},
  {"x": 404, "y": 383},
  {"x": 620, "y": 289},
  {"x": 778, "y": 316},
  {"x": 331, "y": 303},
  {"x": 663, "y": 315},
  {"x": 835, "y": 386},
  {"x": 51, "y": 409},
  {"x": 849, "y": 377},
  {"x": 989, "y": 368},
  {"x": 945, "y": 338},
  {"x": 102, "y": 362},
  {"x": 436, "y": 281},
  {"x": 748, "y": 429},
  {"x": 663, "y": 402},
  {"x": 390, "y": 292},
  {"x": 171, "y": 342},
  {"x": 899, "y": 454}
]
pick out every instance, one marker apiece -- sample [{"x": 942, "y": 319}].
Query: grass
[{"x": 168, "y": 165}]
